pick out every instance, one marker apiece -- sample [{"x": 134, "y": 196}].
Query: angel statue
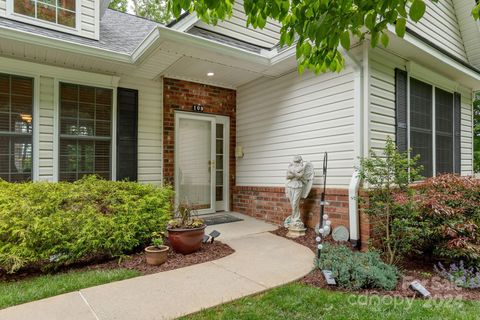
[{"x": 299, "y": 183}]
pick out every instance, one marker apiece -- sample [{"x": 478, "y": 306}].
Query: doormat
[{"x": 220, "y": 218}]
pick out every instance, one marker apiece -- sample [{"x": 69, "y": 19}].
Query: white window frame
[
  {"x": 434, "y": 128},
  {"x": 56, "y": 126},
  {"x": 50, "y": 25}
]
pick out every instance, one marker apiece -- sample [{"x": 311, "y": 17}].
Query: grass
[
  {"x": 296, "y": 301},
  {"x": 13, "y": 293}
]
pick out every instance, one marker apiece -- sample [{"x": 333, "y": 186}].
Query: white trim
[
  {"x": 186, "y": 23},
  {"x": 96, "y": 33},
  {"x": 434, "y": 133},
  {"x": 36, "y": 129},
  {"x": 10, "y": 13},
  {"x": 113, "y": 146},
  {"x": 56, "y": 129},
  {"x": 426, "y": 75}
]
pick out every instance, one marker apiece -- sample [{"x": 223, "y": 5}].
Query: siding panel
[
  {"x": 306, "y": 115},
  {"x": 46, "y": 130}
]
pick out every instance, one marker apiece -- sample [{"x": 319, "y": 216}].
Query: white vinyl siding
[
  {"x": 306, "y": 115},
  {"x": 150, "y": 129},
  {"x": 46, "y": 129},
  {"x": 88, "y": 24},
  {"x": 440, "y": 26},
  {"x": 382, "y": 106},
  {"x": 469, "y": 29},
  {"x": 235, "y": 27}
]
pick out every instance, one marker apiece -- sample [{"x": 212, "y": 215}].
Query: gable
[
  {"x": 235, "y": 27},
  {"x": 469, "y": 29},
  {"x": 440, "y": 26}
]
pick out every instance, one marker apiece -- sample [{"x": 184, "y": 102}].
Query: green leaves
[
  {"x": 400, "y": 27},
  {"x": 417, "y": 10},
  {"x": 345, "y": 40}
]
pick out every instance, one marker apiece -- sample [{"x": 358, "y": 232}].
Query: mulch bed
[
  {"x": 413, "y": 269},
  {"x": 136, "y": 261}
]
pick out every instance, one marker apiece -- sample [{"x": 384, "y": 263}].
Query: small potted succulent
[
  {"x": 186, "y": 230},
  {"x": 156, "y": 254}
]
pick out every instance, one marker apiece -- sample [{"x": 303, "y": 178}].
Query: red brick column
[{"x": 182, "y": 95}]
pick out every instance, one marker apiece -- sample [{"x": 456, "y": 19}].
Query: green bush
[
  {"x": 358, "y": 270},
  {"x": 51, "y": 224}
]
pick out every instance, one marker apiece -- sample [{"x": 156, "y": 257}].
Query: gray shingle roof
[{"x": 119, "y": 32}]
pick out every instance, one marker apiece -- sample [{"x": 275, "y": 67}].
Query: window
[
  {"x": 432, "y": 139},
  {"x": 61, "y": 12},
  {"x": 85, "y": 131},
  {"x": 16, "y": 127}
]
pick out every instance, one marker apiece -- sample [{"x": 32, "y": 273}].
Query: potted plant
[
  {"x": 156, "y": 254},
  {"x": 186, "y": 231}
]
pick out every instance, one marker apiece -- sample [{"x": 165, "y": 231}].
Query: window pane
[
  {"x": 66, "y": 18},
  {"x": 103, "y": 128},
  {"x": 24, "y": 7},
  {"x": 69, "y": 92},
  {"x": 103, "y": 112},
  {"x": 104, "y": 96},
  {"x": 421, "y": 124},
  {"x": 67, "y": 4},
  {"x": 85, "y": 156},
  {"x": 86, "y": 111},
  {"x": 444, "y": 131},
  {"x": 16, "y": 119},
  {"x": 86, "y": 94},
  {"x": 69, "y": 109},
  {"x": 69, "y": 126},
  {"x": 85, "y": 127},
  {"x": 46, "y": 12}
]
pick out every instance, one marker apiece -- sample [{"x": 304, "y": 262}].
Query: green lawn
[
  {"x": 13, "y": 293},
  {"x": 296, "y": 301}
]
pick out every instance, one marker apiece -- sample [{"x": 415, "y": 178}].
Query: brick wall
[
  {"x": 182, "y": 95},
  {"x": 271, "y": 204}
]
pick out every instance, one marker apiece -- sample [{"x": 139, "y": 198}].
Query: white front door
[{"x": 201, "y": 161}]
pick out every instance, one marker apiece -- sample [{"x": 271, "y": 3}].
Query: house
[{"x": 219, "y": 111}]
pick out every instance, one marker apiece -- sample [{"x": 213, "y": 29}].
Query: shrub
[
  {"x": 51, "y": 224},
  {"x": 450, "y": 210},
  {"x": 460, "y": 275},
  {"x": 396, "y": 226},
  {"x": 358, "y": 270}
]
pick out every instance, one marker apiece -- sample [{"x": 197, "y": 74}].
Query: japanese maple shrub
[
  {"x": 46, "y": 225},
  {"x": 450, "y": 210}
]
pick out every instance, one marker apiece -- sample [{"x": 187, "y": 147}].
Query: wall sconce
[{"x": 239, "y": 152}]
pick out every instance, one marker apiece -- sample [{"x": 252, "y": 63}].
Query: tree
[
  {"x": 318, "y": 27},
  {"x": 155, "y": 10}
]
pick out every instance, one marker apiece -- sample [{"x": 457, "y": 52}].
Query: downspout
[{"x": 359, "y": 87}]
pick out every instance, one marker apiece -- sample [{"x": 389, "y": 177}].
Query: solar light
[
  {"x": 326, "y": 229},
  {"x": 328, "y": 223},
  {"x": 417, "y": 287},
  {"x": 325, "y": 216},
  {"x": 205, "y": 238},
  {"x": 214, "y": 234},
  {"x": 318, "y": 239},
  {"x": 320, "y": 246},
  {"x": 329, "y": 277},
  {"x": 321, "y": 230}
]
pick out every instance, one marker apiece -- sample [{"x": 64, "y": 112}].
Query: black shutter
[
  {"x": 457, "y": 109},
  {"x": 127, "y": 128},
  {"x": 401, "y": 127}
]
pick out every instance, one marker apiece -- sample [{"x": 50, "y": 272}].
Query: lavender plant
[{"x": 464, "y": 277}]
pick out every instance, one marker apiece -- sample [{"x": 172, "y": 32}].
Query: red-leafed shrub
[{"x": 450, "y": 207}]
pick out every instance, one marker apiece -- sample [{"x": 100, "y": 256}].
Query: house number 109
[{"x": 197, "y": 108}]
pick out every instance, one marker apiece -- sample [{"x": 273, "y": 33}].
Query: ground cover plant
[{"x": 47, "y": 225}]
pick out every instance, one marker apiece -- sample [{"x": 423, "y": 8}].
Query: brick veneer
[
  {"x": 271, "y": 204},
  {"x": 182, "y": 95}
]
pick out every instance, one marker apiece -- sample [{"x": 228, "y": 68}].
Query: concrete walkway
[{"x": 261, "y": 261}]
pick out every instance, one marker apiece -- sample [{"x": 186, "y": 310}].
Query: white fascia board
[
  {"x": 186, "y": 23},
  {"x": 13, "y": 34}
]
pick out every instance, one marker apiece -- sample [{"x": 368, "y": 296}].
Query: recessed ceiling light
[{"x": 210, "y": 74}]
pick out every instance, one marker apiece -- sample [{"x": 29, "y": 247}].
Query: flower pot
[
  {"x": 186, "y": 241},
  {"x": 156, "y": 256}
]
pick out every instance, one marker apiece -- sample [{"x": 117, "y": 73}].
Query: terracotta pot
[
  {"x": 156, "y": 256},
  {"x": 186, "y": 241}
]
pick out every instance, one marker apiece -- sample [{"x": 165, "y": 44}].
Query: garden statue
[{"x": 299, "y": 183}]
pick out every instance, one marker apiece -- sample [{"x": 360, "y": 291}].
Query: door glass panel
[
  {"x": 219, "y": 164},
  {"x": 194, "y": 163}
]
